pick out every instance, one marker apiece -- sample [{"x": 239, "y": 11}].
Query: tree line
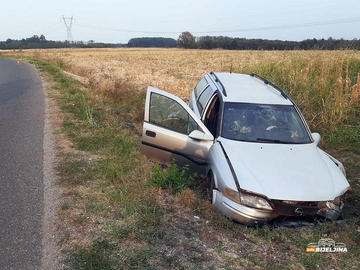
[
  {"x": 188, "y": 41},
  {"x": 40, "y": 42},
  {"x": 263, "y": 44}
]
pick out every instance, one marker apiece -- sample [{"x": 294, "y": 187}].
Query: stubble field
[{"x": 323, "y": 83}]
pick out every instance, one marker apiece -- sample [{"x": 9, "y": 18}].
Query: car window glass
[
  {"x": 167, "y": 113},
  {"x": 211, "y": 116},
  {"x": 204, "y": 98},
  {"x": 200, "y": 87},
  {"x": 263, "y": 123}
]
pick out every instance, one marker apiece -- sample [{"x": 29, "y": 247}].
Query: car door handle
[{"x": 150, "y": 133}]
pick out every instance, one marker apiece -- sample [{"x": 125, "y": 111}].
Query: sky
[{"x": 117, "y": 21}]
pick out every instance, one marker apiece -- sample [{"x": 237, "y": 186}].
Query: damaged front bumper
[{"x": 331, "y": 210}]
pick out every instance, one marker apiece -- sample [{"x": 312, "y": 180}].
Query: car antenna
[{"x": 231, "y": 67}]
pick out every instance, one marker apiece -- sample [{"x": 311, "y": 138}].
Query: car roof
[{"x": 250, "y": 89}]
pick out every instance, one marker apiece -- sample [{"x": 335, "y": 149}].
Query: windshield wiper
[{"x": 269, "y": 140}]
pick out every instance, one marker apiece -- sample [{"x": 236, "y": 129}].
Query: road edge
[{"x": 51, "y": 254}]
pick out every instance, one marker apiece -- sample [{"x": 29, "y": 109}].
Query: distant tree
[
  {"x": 42, "y": 38},
  {"x": 186, "y": 40},
  {"x": 204, "y": 42},
  {"x": 34, "y": 38}
]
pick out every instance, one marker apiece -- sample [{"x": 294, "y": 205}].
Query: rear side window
[
  {"x": 200, "y": 87},
  {"x": 204, "y": 98}
]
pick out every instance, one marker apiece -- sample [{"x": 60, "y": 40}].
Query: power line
[
  {"x": 68, "y": 23},
  {"x": 50, "y": 28},
  {"x": 265, "y": 28},
  {"x": 290, "y": 26}
]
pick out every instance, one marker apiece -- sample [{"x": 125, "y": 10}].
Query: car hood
[{"x": 285, "y": 172}]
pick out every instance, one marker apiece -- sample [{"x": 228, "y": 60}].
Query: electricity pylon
[{"x": 68, "y": 24}]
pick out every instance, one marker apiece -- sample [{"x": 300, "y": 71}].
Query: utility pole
[{"x": 68, "y": 24}]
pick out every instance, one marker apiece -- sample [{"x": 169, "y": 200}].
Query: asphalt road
[{"x": 22, "y": 113}]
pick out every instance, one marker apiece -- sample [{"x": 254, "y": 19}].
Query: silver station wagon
[{"x": 251, "y": 142}]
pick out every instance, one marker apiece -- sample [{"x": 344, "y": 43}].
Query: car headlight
[{"x": 247, "y": 199}]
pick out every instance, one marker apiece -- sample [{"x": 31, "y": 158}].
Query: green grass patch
[
  {"x": 346, "y": 135},
  {"x": 95, "y": 258},
  {"x": 172, "y": 178}
]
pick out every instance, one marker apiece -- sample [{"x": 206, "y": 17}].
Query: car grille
[{"x": 295, "y": 208}]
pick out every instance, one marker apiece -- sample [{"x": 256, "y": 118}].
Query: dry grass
[
  {"x": 355, "y": 92},
  {"x": 177, "y": 70}
]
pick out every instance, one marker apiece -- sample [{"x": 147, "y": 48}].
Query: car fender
[
  {"x": 218, "y": 165},
  {"x": 337, "y": 170}
]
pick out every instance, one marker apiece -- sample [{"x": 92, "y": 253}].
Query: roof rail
[
  {"x": 270, "y": 83},
  {"x": 212, "y": 73}
]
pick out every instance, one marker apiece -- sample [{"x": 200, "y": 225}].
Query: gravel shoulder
[{"x": 51, "y": 257}]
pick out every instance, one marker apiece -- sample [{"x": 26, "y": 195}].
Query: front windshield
[{"x": 263, "y": 123}]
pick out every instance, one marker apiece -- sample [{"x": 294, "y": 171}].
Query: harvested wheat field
[
  {"x": 177, "y": 70},
  {"x": 322, "y": 82}
]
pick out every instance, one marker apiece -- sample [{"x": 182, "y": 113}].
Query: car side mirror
[
  {"x": 316, "y": 137},
  {"x": 200, "y": 136}
]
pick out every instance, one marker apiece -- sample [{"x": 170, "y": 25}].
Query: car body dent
[
  {"x": 241, "y": 213},
  {"x": 331, "y": 211},
  {"x": 218, "y": 165}
]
